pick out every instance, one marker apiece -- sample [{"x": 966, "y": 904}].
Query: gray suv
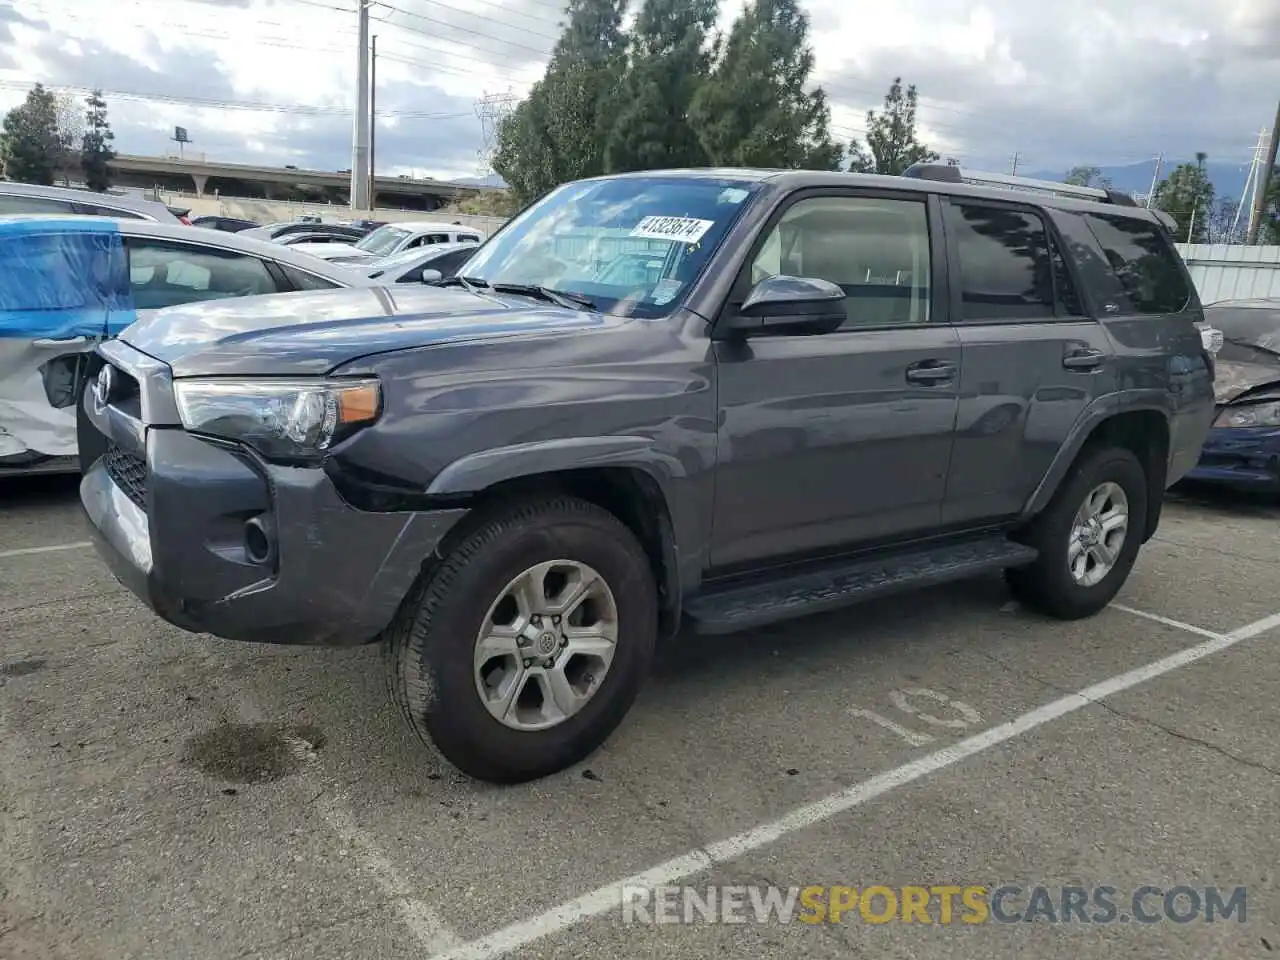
[{"x": 720, "y": 398}]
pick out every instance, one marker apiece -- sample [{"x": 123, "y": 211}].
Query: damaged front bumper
[
  {"x": 1244, "y": 457},
  {"x": 216, "y": 541}
]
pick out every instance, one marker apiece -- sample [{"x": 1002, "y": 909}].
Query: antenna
[{"x": 492, "y": 109}]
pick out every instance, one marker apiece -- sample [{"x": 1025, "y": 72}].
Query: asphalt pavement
[{"x": 165, "y": 795}]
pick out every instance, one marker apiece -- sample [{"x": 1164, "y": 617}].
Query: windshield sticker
[
  {"x": 665, "y": 291},
  {"x": 732, "y": 195},
  {"x": 680, "y": 229}
]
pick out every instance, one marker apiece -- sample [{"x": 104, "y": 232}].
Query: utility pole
[
  {"x": 1264, "y": 182},
  {"x": 1016, "y": 157},
  {"x": 373, "y": 119},
  {"x": 360, "y": 135},
  {"x": 1155, "y": 178},
  {"x": 1250, "y": 192}
]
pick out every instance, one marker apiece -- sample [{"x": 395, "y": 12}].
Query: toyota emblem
[{"x": 106, "y": 385}]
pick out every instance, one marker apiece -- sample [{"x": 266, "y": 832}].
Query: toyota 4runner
[{"x": 722, "y": 398}]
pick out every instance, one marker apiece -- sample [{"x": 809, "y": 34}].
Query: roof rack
[{"x": 953, "y": 173}]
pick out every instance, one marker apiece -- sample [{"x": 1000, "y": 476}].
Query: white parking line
[
  {"x": 28, "y": 551},
  {"x": 607, "y": 898}
]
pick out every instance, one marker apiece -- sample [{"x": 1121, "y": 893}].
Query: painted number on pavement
[{"x": 925, "y": 706}]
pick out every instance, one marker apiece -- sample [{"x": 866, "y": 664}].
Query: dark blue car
[{"x": 1243, "y": 448}]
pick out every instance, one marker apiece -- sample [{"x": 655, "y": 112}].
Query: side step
[{"x": 747, "y": 606}]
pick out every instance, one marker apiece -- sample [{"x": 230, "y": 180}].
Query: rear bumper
[
  {"x": 169, "y": 515},
  {"x": 1247, "y": 457}
]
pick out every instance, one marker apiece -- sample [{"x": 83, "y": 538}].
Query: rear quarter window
[{"x": 1143, "y": 262}]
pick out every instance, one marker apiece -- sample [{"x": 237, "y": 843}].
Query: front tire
[
  {"x": 1088, "y": 537},
  {"x": 524, "y": 648}
]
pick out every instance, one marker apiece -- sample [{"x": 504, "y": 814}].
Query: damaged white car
[{"x": 70, "y": 282}]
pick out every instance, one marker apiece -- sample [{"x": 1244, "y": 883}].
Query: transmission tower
[{"x": 492, "y": 109}]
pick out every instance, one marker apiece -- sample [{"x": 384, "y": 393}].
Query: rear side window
[
  {"x": 10, "y": 203},
  {"x": 1006, "y": 269},
  {"x": 93, "y": 210},
  {"x": 1144, "y": 263},
  {"x": 302, "y": 280}
]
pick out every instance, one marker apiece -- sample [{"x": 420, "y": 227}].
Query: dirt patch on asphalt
[{"x": 252, "y": 753}]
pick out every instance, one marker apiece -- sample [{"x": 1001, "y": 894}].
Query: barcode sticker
[{"x": 680, "y": 229}]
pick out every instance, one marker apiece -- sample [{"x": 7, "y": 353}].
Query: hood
[
  {"x": 1233, "y": 379},
  {"x": 310, "y": 333}
]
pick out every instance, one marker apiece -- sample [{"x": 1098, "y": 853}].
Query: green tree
[
  {"x": 1187, "y": 195},
  {"x": 95, "y": 144},
  {"x": 754, "y": 110},
  {"x": 669, "y": 62},
  {"x": 33, "y": 148},
  {"x": 1087, "y": 177},
  {"x": 558, "y": 132},
  {"x": 891, "y": 136}
]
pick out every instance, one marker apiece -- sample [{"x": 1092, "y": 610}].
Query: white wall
[{"x": 275, "y": 211}]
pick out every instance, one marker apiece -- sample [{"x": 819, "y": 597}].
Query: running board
[{"x": 745, "y": 607}]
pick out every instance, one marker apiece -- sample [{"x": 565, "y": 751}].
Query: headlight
[
  {"x": 1250, "y": 415},
  {"x": 281, "y": 419}
]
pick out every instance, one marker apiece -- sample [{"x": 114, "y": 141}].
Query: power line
[
  {"x": 450, "y": 26},
  {"x": 211, "y": 103},
  {"x": 479, "y": 16}
]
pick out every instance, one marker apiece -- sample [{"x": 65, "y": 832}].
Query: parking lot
[{"x": 167, "y": 795}]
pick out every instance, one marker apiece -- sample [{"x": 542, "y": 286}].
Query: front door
[
  {"x": 1033, "y": 359},
  {"x": 837, "y": 440}
]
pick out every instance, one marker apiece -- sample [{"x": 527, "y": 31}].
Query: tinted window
[
  {"x": 1143, "y": 261},
  {"x": 1005, "y": 265},
  {"x": 165, "y": 274},
  {"x": 10, "y": 203},
  {"x": 877, "y": 251},
  {"x": 448, "y": 263},
  {"x": 1064, "y": 288},
  {"x": 302, "y": 280},
  {"x": 93, "y": 210}
]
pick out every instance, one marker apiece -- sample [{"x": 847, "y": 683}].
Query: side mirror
[
  {"x": 782, "y": 301},
  {"x": 431, "y": 276}
]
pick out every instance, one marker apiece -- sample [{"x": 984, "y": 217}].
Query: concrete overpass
[{"x": 181, "y": 173}]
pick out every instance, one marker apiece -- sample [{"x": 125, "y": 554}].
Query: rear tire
[
  {"x": 1114, "y": 478},
  {"x": 434, "y": 671}
]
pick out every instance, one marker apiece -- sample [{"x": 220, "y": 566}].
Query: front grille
[{"x": 129, "y": 473}]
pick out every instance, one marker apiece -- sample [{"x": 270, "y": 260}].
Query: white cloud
[{"x": 1093, "y": 81}]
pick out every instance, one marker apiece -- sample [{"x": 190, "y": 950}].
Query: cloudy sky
[{"x": 271, "y": 81}]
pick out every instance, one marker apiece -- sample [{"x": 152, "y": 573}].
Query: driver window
[
  {"x": 164, "y": 274},
  {"x": 876, "y": 250}
]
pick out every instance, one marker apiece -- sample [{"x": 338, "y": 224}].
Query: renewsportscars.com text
[{"x": 933, "y": 904}]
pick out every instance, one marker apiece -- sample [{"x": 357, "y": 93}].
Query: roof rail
[{"x": 952, "y": 173}]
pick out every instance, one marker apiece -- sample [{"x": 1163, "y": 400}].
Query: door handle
[
  {"x": 931, "y": 371},
  {"x": 55, "y": 342},
  {"x": 1083, "y": 359}
]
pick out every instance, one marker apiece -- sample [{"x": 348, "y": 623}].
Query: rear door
[
  {"x": 1033, "y": 359},
  {"x": 60, "y": 286}
]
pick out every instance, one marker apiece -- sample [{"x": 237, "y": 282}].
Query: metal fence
[{"x": 1223, "y": 271}]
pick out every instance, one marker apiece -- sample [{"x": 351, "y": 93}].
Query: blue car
[{"x": 1243, "y": 448}]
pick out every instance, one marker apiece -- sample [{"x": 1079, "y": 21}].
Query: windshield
[
  {"x": 632, "y": 245},
  {"x": 382, "y": 241}
]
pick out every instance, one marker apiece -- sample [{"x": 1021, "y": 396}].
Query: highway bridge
[{"x": 243, "y": 179}]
